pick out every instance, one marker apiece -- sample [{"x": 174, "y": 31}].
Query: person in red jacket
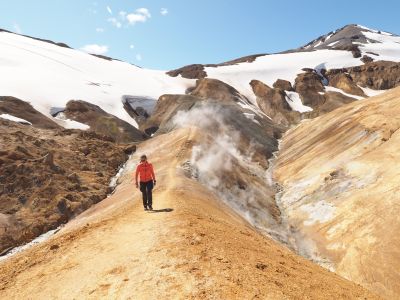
[{"x": 147, "y": 181}]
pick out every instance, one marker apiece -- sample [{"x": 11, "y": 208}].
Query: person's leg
[
  {"x": 144, "y": 193},
  {"x": 150, "y": 194}
]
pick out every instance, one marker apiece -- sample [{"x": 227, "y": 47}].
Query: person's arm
[
  {"x": 152, "y": 174},
  {"x": 136, "y": 176}
]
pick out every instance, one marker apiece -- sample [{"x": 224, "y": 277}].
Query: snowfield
[
  {"x": 286, "y": 66},
  {"x": 47, "y": 76}
]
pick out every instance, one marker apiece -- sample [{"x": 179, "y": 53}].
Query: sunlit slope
[
  {"x": 192, "y": 247},
  {"x": 340, "y": 178}
]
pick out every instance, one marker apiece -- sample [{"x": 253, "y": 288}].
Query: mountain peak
[{"x": 347, "y": 37}]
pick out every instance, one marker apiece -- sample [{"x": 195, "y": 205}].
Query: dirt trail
[{"x": 190, "y": 247}]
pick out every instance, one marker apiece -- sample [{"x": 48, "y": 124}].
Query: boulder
[{"x": 283, "y": 85}]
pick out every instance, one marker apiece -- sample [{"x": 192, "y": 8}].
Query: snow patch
[
  {"x": 41, "y": 238},
  {"x": 370, "y": 92},
  {"x": 332, "y": 44},
  {"x": 68, "y": 123},
  {"x": 294, "y": 100},
  {"x": 14, "y": 119},
  {"x": 333, "y": 89},
  {"x": 115, "y": 178}
]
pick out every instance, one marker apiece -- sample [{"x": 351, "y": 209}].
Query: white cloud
[
  {"x": 17, "y": 28},
  {"x": 109, "y": 10},
  {"x": 115, "y": 22},
  {"x": 144, "y": 11},
  {"x": 134, "y": 18},
  {"x": 131, "y": 46},
  {"x": 164, "y": 11},
  {"x": 99, "y": 29},
  {"x": 138, "y": 57},
  {"x": 95, "y": 49},
  {"x": 140, "y": 15}
]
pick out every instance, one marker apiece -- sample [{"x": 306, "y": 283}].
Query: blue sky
[{"x": 170, "y": 33}]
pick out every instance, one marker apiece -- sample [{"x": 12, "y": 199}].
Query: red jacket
[{"x": 145, "y": 171}]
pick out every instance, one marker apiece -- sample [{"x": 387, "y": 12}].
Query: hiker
[{"x": 147, "y": 181}]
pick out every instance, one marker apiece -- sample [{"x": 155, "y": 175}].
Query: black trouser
[{"x": 146, "y": 189}]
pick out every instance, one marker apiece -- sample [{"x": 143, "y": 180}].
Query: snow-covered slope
[
  {"x": 342, "y": 48},
  {"x": 269, "y": 68},
  {"x": 48, "y": 76}
]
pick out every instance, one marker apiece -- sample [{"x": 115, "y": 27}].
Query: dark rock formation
[
  {"x": 194, "y": 71},
  {"x": 272, "y": 101},
  {"x": 102, "y": 122},
  {"x": 309, "y": 86},
  {"x": 283, "y": 85},
  {"x": 378, "y": 75},
  {"x": 21, "y": 109}
]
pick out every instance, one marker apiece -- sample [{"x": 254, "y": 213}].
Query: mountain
[
  {"x": 49, "y": 75},
  {"x": 263, "y": 143},
  {"x": 191, "y": 247},
  {"x": 338, "y": 176}
]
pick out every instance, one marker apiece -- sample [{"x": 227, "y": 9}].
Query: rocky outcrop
[
  {"x": 377, "y": 75},
  {"x": 167, "y": 106},
  {"x": 309, "y": 86},
  {"x": 195, "y": 71},
  {"x": 272, "y": 101},
  {"x": 102, "y": 122},
  {"x": 21, "y": 109},
  {"x": 366, "y": 59},
  {"x": 209, "y": 88},
  {"x": 49, "y": 176},
  {"x": 345, "y": 82},
  {"x": 283, "y": 85}
]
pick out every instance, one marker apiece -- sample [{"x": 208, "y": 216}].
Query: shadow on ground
[{"x": 161, "y": 210}]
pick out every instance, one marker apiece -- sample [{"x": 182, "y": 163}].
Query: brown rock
[
  {"x": 273, "y": 103},
  {"x": 102, "y": 122},
  {"x": 23, "y": 110},
  {"x": 309, "y": 85},
  {"x": 208, "y": 88},
  {"x": 378, "y": 75},
  {"x": 366, "y": 59},
  {"x": 195, "y": 71},
  {"x": 344, "y": 82},
  {"x": 283, "y": 85}
]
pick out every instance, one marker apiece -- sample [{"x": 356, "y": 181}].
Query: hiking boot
[
  {"x": 145, "y": 208},
  {"x": 151, "y": 208}
]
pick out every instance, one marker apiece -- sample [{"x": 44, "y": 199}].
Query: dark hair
[{"x": 143, "y": 156}]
